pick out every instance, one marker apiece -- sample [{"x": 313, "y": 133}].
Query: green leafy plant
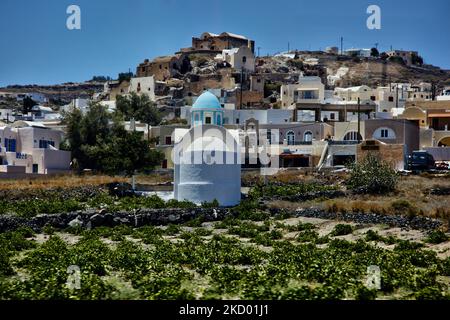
[
  {"x": 341, "y": 230},
  {"x": 372, "y": 175}
]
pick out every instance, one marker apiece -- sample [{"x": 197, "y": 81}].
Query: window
[
  {"x": 384, "y": 133},
  {"x": 269, "y": 136},
  {"x": 352, "y": 136},
  {"x": 10, "y": 145},
  {"x": 207, "y": 120},
  {"x": 391, "y": 99},
  {"x": 44, "y": 144},
  {"x": 373, "y": 98},
  {"x": 168, "y": 140},
  {"x": 308, "y": 136},
  {"x": 332, "y": 116},
  {"x": 237, "y": 121},
  {"x": 290, "y": 138},
  {"x": 244, "y": 59}
]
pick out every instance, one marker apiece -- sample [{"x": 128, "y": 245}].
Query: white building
[
  {"x": 233, "y": 116},
  {"x": 351, "y": 95},
  {"x": 445, "y": 96},
  {"x": 35, "y": 96},
  {"x": 362, "y": 53},
  {"x": 6, "y": 115},
  {"x": 307, "y": 90},
  {"x": 30, "y": 147},
  {"x": 41, "y": 113},
  {"x": 143, "y": 85},
  {"x": 207, "y": 157},
  {"x": 240, "y": 58},
  {"x": 80, "y": 104}
]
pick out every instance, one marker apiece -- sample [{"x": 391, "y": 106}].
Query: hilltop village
[
  {"x": 335, "y": 186},
  {"x": 320, "y": 109}
]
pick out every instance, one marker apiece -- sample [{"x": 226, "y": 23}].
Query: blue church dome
[{"x": 207, "y": 100}]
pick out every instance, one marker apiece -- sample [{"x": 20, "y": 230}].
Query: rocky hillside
[
  {"x": 347, "y": 71},
  {"x": 63, "y": 93}
]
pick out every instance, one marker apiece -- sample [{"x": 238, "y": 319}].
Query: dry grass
[
  {"x": 411, "y": 198},
  {"x": 60, "y": 181},
  {"x": 72, "y": 180}
]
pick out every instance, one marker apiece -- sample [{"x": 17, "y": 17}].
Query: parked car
[
  {"x": 442, "y": 166},
  {"x": 421, "y": 161}
]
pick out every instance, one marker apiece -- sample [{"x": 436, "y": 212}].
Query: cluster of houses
[{"x": 308, "y": 122}]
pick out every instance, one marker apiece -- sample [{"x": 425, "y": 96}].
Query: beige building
[
  {"x": 217, "y": 42},
  {"x": 390, "y": 131},
  {"x": 407, "y": 56},
  {"x": 30, "y": 147},
  {"x": 114, "y": 88},
  {"x": 163, "y": 68},
  {"x": 309, "y": 90},
  {"x": 143, "y": 85}
]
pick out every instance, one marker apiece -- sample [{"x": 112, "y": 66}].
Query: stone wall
[{"x": 392, "y": 153}]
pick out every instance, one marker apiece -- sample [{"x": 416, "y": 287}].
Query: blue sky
[{"x": 37, "y": 48}]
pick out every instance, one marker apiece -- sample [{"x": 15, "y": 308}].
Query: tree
[
  {"x": 396, "y": 59},
  {"x": 28, "y": 104},
  {"x": 372, "y": 176},
  {"x": 126, "y": 76},
  {"x": 100, "y": 79},
  {"x": 416, "y": 59},
  {"x": 99, "y": 141},
  {"x": 138, "y": 107},
  {"x": 374, "y": 52}
]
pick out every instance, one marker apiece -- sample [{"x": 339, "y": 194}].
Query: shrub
[
  {"x": 308, "y": 236},
  {"x": 364, "y": 293},
  {"x": 404, "y": 207},
  {"x": 202, "y": 232},
  {"x": 437, "y": 237},
  {"x": 213, "y": 204},
  {"x": 5, "y": 264},
  {"x": 372, "y": 176},
  {"x": 172, "y": 229},
  {"x": 342, "y": 230},
  {"x": 373, "y": 236},
  {"x": 266, "y": 239}
]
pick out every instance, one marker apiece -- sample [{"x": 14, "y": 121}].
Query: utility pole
[
  {"x": 396, "y": 96},
  {"x": 242, "y": 85},
  {"x": 359, "y": 120},
  {"x": 258, "y": 50},
  {"x": 289, "y": 47},
  {"x": 342, "y": 45}
]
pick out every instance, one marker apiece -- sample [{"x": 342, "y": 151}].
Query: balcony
[
  {"x": 297, "y": 143},
  {"x": 342, "y": 143}
]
